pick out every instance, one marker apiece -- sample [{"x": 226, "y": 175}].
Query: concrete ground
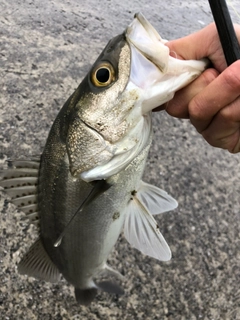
[{"x": 46, "y": 47}]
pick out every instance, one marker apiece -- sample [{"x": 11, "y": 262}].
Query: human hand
[{"x": 212, "y": 101}]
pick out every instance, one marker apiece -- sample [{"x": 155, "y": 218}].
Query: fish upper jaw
[
  {"x": 142, "y": 35},
  {"x": 154, "y": 73}
]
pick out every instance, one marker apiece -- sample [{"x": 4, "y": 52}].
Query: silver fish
[{"x": 88, "y": 179}]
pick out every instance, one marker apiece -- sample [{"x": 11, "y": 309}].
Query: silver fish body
[
  {"x": 84, "y": 249},
  {"x": 89, "y": 180},
  {"x": 62, "y": 190}
]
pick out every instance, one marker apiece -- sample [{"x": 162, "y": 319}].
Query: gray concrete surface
[{"x": 46, "y": 47}]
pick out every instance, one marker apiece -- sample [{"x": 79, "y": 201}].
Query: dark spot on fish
[
  {"x": 115, "y": 216},
  {"x": 133, "y": 192},
  {"x": 157, "y": 227}
]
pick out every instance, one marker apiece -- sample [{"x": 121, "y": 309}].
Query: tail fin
[{"x": 85, "y": 296}]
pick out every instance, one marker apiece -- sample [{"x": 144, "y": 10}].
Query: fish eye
[{"x": 103, "y": 75}]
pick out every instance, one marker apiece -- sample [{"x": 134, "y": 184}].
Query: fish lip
[{"x": 141, "y": 35}]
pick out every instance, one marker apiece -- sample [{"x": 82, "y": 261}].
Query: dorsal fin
[
  {"x": 36, "y": 263},
  {"x": 20, "y": 184}
]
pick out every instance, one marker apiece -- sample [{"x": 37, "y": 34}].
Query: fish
[{"x": 86, "y": 187}]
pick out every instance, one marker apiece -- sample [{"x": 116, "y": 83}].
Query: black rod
[{"x": 226, "y": 31}]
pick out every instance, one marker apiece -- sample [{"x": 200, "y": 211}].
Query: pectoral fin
[
  {"x": 155, "y": 199},
  {"x": 140, "y": 228},
  {"x": 36, "y": 263}
]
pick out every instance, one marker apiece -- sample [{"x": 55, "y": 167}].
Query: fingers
[
  {"x": 224, "y": 129},
  {"x": 215, "y": 111},
  {"x": 192, "y": 46},
  {"x": 201, "y": 44},
  {"x": 178, "y": 106},
  {"x": 212, "y": 101},
  {"x": 221, "y": 92}
]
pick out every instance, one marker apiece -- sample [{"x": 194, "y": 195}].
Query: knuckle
[
  {"x": 231, "y": 112},
  {"x": 196, "y": 109},
  {"x": 223, "y": 141},
  {"x": 231, "y": 77}
]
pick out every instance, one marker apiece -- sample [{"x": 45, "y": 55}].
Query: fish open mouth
[
  {"x": 152, "y": 68},
  {"x": 142, "y": 35}
]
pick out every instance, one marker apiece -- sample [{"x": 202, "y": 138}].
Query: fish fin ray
[
  {"x": 19, "y": 182},
  {"x": 155, "y": 199},
  {"x": 36, "y": 263},
  {"x": 109, "y": 271},
  {"x": 33, "y": 218},
  {"x": 29, "y": 208},
  {"x": 142, "y": 232},
  {"x": 34, "y": 163}
]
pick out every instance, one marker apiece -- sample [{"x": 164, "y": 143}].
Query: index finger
[{"x": 201, "y": 44}]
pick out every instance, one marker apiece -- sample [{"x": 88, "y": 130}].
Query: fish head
[{"x": 109, "y": 120}]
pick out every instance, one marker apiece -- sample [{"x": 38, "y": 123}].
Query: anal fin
[
  {"x": 109, "y": 271},
  {"x": 36, "y": 263}
]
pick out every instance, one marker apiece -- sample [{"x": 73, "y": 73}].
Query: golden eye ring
[{"x": 103, "y": 75}]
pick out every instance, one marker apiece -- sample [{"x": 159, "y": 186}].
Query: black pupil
[{"x": 103, "y": 75}]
